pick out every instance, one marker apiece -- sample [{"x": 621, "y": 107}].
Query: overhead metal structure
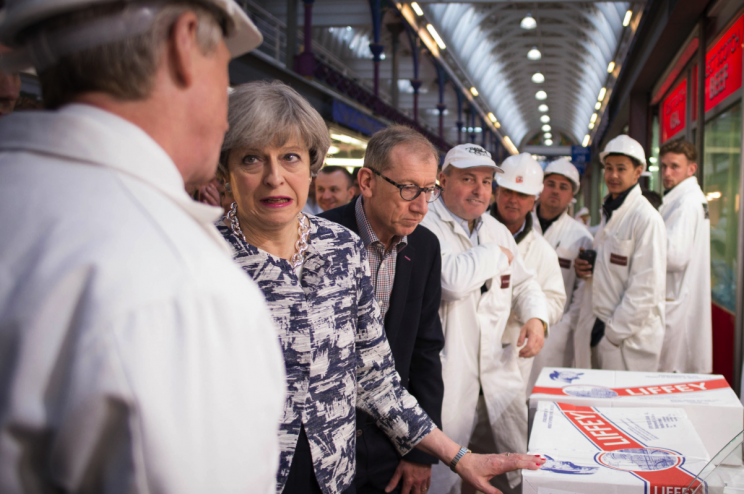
[{"x": 577, "y": 42}]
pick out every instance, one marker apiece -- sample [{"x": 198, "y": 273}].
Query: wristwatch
[{"x": 458, "y": 457}]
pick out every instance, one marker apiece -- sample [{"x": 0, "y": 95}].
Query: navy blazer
[{"x": 414, "y": 332}]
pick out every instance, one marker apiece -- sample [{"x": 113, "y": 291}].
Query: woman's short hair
[{"x": 265, "y": 114}]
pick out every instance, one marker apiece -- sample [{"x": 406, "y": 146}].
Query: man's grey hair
[
  {"x": 122, "y": 69},
  {"x": 382, "y": 143},
  {"x": 263, "y": 113}
]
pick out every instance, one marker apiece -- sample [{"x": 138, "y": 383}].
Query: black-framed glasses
[{"x": 411, "y": 192}]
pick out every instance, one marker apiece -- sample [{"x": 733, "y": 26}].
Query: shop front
[{"x": 674, "y": 115}]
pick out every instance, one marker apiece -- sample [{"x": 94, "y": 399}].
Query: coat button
[{"x": 359, "y": 432}]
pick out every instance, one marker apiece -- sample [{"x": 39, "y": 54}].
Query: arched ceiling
[{"x": 577, "y": 41}]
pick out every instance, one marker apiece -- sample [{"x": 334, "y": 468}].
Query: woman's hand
[{"x": 477, "y": 470}]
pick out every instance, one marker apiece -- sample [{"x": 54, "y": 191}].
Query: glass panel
[
  {"x": 721, "y": 187},
  {"x": 724, "y": 473},
  {"x": 653, "y": 160}
]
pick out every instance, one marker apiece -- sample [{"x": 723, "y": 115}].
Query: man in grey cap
[
  {"x": 483, "y": 280},
  {"x": 134, "y": 355}
]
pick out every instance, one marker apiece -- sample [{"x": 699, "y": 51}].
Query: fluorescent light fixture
[
  {"x": 546, "y": 128},
  {"x": 435, "y": 35},
  {"x": 534, "y": 54},
  {"x": 344, "y": 162},
  {"x": 602, "y": 93},
  {"x": 528, "y": 22},
  {"x": 653, "y": 168},
  {"x": 492, "y": 117},
  {"x": 497, "y": 125},
  {"x": 652, "y": 160},
  {"x": 510, "y": 145},
  {"x": 598, "y": 105},
  {"x": 473, "y": 91},
  {"x": 628, "y": 17},
  {"x": 591, "y": 125},
  {"x": 333, "y": 150},
  {"x": 548, "y": 142},
  {"x": 548, "y": 135},
  {"x": 610, "y": 67},
  {"x": 348, "y": 140},
  {"x": 538, "y": 78},
  {"x": 545, "y": 119},
  {"x": 541, "y": 95},
  {"x": 416, "y": 8},
  {"x": 594, "y": 118},
  {"x": 543, "y": 108},
  {"x": 585, "y": 143},
  {"x": 711, "y": 196}
]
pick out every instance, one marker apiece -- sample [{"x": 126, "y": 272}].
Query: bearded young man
[{"x": 688, "y": 336}]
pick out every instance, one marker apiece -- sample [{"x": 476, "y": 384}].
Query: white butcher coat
[
  {"x": 473, "y": 324},
  {"x": 688, "y": 345},
  {"x": 627, "y": 289},
  {"x": 135, "y": 356},
  {"x": 566, "y": 235}
]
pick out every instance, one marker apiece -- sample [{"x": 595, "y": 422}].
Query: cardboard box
[
  {"x": 613, "y": 450},
  {"x": 710, "y": 403}
]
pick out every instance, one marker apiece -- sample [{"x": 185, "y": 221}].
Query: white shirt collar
[{"x": 464, "y": 224}]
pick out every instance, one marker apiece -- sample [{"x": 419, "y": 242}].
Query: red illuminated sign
[
  {"x": 674, "y": 112},
  {"x": 723, "y": 66}
]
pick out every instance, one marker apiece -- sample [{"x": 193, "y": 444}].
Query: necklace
[{"x": 301, "y": 245}]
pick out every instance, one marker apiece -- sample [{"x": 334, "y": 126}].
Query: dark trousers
[
  {"x": 301, "y": 479},
  {"x": 377, "y": 461}
]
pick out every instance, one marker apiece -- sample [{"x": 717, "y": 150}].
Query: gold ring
[{"x": 507, "y": 454}]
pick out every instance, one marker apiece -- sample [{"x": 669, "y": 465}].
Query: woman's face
[{"x": 270, "y": 184}]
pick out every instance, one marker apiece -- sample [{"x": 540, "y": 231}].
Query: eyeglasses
[{"x": 411, "y": 192}]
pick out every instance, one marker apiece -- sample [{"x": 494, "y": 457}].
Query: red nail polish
[
  {"x": 537, "y": 464},
  {"x": 538, "y": 456}
]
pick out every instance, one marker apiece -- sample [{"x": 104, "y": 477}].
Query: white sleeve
[
  {"x": 680, "y": 230},
  {"x": 552, "y": 286},
  {"x": 155, "y": 399},
  {"x": 467, "y": 271},
  {"x": 528, "y": 299}
]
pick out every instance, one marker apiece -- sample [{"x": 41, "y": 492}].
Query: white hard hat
[
  {"x": 469, "y": 156},
  {"x": 522, "y": 174},
  {"x": 45, "y": 49},
  {"x": 564, "y": 167},
  {"x": 624, "y": 145}
]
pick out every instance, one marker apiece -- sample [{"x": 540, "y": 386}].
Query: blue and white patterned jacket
[{"x": 335, "y": 351}]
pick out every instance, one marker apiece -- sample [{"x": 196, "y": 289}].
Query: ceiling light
[
  {"x": 651, "y": 159},
  {"x": 435, "y": 35},
  {"x": 534, "y": 54},
  {"x": 591, "y": 125},
  {"x": 538, "y": 78},
  {"x": 474, "y": 91},
  {"x": 628, "y": 17},
  {"x": 333, "y": 150},
  {"x": 416, "y": 8},
  {"x": 598, "y": 105},
  {"x": 611, "y": 67},
  {"x": 548, "y": 142},
  {"x": 548, "y": 135},
  {"x": 528, "y": 22},
  {"x": 510, "y": 145},
  {"x": 653, "y": 169},
  {"x": 347, "y": 139},
  {"x": 545, "y": 119},
  {"x": 585, "y": 143},
  {"x": 543, "y": 108},
  {"x": 594, "y": 118},
  {"x": 492, "y": 117},
  {"x": 541, "y": 95},
  {"x": 602, "y": 93},
  {"x": 497, "y": 125},
  {"x": 546, "y": 128},
  {"x": 344, "y": 162}
]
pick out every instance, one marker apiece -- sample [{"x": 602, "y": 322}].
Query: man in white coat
[
  {"x": 483, "y": 279},
  {"x": 622, "y": 312},
  {"x": 517, "y": 190},
  {"x": 688, "y": 337},
  {"x": 566, "y": 235},
  {"x": 135, "y": 356}
]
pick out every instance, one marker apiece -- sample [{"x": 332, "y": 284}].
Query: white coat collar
[
  {"x": 630, "y": 200},
  {"x": 89, "y": 135},
  {"x": 682, "y": 188},
  {"x": 446, "y": 216}
]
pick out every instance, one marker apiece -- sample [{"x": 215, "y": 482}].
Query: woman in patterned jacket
[{"x": 316, "y": 280}]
